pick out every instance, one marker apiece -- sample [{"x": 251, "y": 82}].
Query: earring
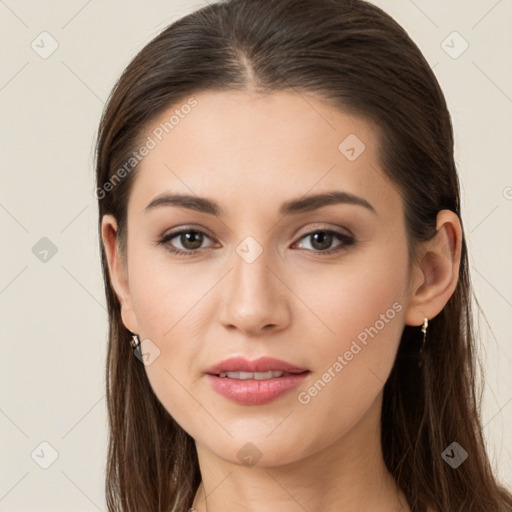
[
  {"x": 135, "y": 343},
  {"x": 424, "y": 331}
]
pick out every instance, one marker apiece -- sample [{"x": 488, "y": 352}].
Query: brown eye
[
  {"x": 321, "y": 241},
  {"x": 190, "y": 240}
]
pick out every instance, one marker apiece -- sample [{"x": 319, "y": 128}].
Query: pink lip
[
  {"x": 252, "y": 391},
  {"x": 262, "y": 364}
]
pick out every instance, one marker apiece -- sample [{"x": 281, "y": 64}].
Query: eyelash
[{"x": 346, "y": 240}]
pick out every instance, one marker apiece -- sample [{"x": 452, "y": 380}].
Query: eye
[
  {"x": 191, "y": 241},
  {"x": 322, "y": 239}
]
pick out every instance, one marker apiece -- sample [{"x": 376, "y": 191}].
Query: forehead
[{"x": 252, "y": 149}]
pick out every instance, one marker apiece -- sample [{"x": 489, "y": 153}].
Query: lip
[
  {"x": 262, "y": 364},
  {"x": 252, "y": 391},
  {"x": 255, "y": 392}
]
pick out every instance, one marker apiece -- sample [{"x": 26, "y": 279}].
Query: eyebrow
[{"x": 295, "y": 206}]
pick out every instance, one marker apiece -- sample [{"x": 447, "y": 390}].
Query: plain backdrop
[{"x": 53, "y": 318}]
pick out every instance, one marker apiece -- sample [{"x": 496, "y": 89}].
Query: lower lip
[{"x": 255, "y": 392}]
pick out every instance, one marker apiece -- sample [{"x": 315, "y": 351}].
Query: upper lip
[{"x": 262, "y": 364}]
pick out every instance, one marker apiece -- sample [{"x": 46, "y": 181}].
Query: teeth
[{"x": 253, "y": 375}]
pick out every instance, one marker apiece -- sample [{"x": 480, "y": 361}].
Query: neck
[{"x": 348, "y": 475}]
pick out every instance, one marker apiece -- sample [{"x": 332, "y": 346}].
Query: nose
[{"x": 256, "y": 300}]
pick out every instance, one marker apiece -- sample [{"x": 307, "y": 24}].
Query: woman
[{"x": 282, "y": 248}]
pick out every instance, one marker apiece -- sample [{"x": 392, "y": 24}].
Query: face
[{"x": 322, "y": 285}]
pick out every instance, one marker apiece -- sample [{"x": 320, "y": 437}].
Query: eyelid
[
  {"x": 325, "y": 227},
  {"x": 185, "y": 229}
]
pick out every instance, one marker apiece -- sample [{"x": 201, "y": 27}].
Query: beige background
[{"x": 53, "y": 318}]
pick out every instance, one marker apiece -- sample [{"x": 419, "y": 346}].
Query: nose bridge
[
  {"x": 255, "y": 298},
  {"x": 250, "y": 271}
]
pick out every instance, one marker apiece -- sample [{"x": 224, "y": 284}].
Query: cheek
[
  {"x": 366, "y": 312},
  {"x": 348, "y": 300},
  {"x": 162, "y": 293},
  {"x": 358, "y": 321},
  {"x": 167, "y": 303}
]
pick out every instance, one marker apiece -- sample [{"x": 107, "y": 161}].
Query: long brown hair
[{"x": 355, "y": 56}]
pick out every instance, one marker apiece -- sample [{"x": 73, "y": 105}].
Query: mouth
[{"x": 254, "y": 382}]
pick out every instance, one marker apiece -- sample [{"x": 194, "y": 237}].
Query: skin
[{"x": 250, "y": 152}]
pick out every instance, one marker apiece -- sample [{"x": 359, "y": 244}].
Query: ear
[
  {"x": 118, "y": 272},
  {"x": 435, "y": 277}
]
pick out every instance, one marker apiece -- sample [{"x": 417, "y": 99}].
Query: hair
[{"x": 354, "y": 56}]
